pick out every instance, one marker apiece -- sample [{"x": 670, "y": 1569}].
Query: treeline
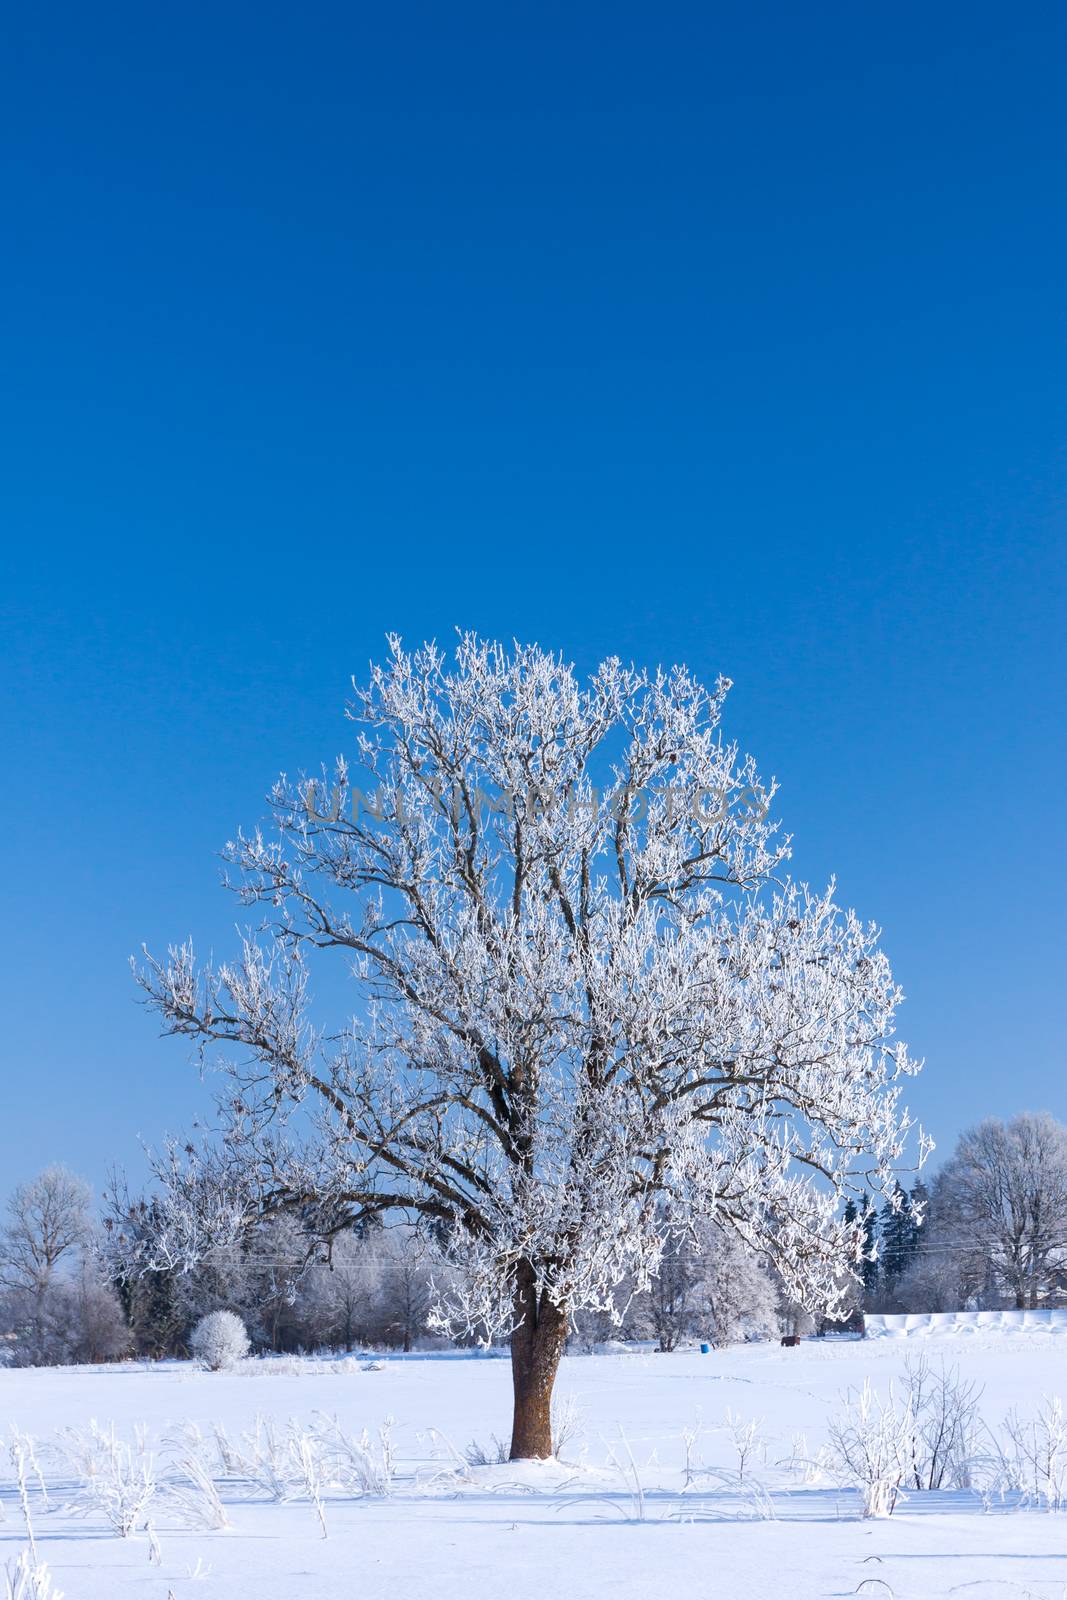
[
  {"x": 62, "y": 1298},
  {"x": 376, "y": 1291},
  {"x": 988, "y": 1231}
]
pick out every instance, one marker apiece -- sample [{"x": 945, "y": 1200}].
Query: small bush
[
  {"x": 872, "y": 1442},
  {"x": 117, "y": 1479},
  {"x": 219, "y": 1340},
  {"x": 1035, "y": 1459},
  {"x": 26, "y": 1579}
]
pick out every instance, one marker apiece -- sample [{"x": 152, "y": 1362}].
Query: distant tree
[
  {"x": 336, "y": 1300},
  {"x": 668, "y": 1306},
  {"x": 48, "y": 1228},
  {"x": 48, "y": 1221},
  {"x": 403, "y": 1288},
  {"x": 736, "y": 1296},
  {"x": 267, "y": 1281},
  {"x": 1002, "y": 1199},
  {"x": 933, "y": 1282},
  {"x": 899, "y": 1230},
  {"x": 154, "y": 1303},
  {"x": 709, "y": 1286},
  {"x": 93, "y": 1318}
]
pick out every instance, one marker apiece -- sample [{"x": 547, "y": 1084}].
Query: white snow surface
[
  {"x": 968, "y": 1324},
  {"x": 573, "y": 1528}
]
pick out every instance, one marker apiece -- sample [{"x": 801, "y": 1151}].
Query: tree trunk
[{"x": 536, "y": 1347}]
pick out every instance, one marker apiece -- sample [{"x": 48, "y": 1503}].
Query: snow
[
  {"x": 586, "y": 1526},
  {"x": 967, "y": 1324}
]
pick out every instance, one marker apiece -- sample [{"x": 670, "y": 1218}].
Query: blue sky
[{"x": 727, "y": 335}]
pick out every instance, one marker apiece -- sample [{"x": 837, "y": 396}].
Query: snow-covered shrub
[
  {"x": 926, "y": 1439},
  {"x": 299, "y": 1462},
  {"x": 1035, "y": 1455},
  {"x": 747, "y": 1439},
  {"x": 219, "y": 1340},
  {"x": 568, "y": 1422},
  {"x": 944, "y": 1409},
  {"x": 813, "y": 1466},
  {"x": 358, "y": 1466},
  {"x": 872, "y": 1444},
  {"x": 627, "y": 1468},
  {"x": 28, "y": 1570},
  {"x": 313, "y": 1466},
  {"x": 26, "y": 1579},
  {"x": 22, "y": 1452},
  {"x": 189, "y": 1487},
  {"x": 116, "y": 1478},
  {"x": 260, "y": 1457}
]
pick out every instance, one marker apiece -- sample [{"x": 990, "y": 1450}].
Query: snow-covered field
[{"x": 585, "y": 1528}]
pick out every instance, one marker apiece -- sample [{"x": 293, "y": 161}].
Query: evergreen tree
[{"x": 900, "y": 1237}]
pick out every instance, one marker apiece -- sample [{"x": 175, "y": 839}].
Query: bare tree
[
  {"x": 48, "y": 1219},
  {"x": 91, "y": 1318},
  {"x": 58, "y": 1314},
  {"x": 586, "y": 995},
  {"x": 1001, "y": 1203},
  {"x": 403, "y": 1287},
  {"x": 344, "y": 1293}
]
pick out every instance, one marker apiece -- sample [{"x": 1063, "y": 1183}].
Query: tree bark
[{"x": 536, "y": 1347}]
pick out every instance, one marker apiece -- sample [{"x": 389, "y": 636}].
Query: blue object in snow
[{"x": 705, "y": 1349}]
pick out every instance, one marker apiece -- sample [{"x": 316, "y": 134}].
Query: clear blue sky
[{"x": 716, "y": 333}]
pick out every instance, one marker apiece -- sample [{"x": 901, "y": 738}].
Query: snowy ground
[{"x": 575, "y": 1530}]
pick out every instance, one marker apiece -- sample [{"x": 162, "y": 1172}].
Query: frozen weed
[{"x": 117, "y": 1477}]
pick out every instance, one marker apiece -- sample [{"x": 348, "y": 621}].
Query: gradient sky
[{"x": 732, "y": 335}]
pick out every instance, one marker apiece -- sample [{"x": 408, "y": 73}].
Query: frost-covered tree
[
  {"x": 708, "y": 1285},
  {"x": 48, "y": 1221},
  {"x": 1001, "y": 1204},
  {"x": 668, "y": 1308},
  {"x": 735, "y": 1296},
  {"x": 47, "y": 1232},
  {"x": 585, "y": 993}
]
